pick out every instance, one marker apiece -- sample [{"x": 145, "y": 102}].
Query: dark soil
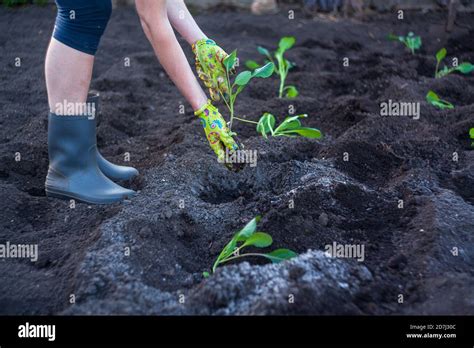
[{"x": 408, "y": 250}]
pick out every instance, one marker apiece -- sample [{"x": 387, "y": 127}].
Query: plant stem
[
  {"x": 218, "y": 261},
  {"x": 240, "y": 256},
  {"x": 244, "y": 120},
  {"x": 231, "y": 101},
  {"x": 283, "y": 75},
  {"x": 231, "y": 115},
  {"x": 437, "y": 67},
  {"x": 282, "y": 86},
  {"x": 225, "y": 100},
  {"x": 228, "y": 107}
]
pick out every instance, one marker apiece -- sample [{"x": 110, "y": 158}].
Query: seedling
[
  {"x": 13, "y": 3},
  {"x": 411, "y": 41},
  {"x": 464, "y": 67},
  {"x": 241, "y": 80},
  {"x": 436, "y": 101},
  {"x": 249, "y": 237},
  {"x": 283, "y": 65},
  {"x": 290, "y": 127}
]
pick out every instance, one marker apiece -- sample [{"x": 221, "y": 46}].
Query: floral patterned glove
[
  {"x": 217, "y": 133},
  {"x": 210, "y": 67}
]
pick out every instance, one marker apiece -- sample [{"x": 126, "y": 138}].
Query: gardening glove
[
  {"x": 210, "y": 67},
  {"x": 217, "y": 133}
]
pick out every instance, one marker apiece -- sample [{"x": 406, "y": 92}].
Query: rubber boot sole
[{"x": 68, "y": 195}]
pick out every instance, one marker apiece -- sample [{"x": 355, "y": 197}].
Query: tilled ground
[{"x": 189, "y": 206}]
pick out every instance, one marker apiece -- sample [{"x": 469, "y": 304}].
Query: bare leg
[
  {"x": 68, "y": 74},
  {"x": 183, "y": 21}
]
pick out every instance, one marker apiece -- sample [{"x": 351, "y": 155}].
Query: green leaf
[
  {"x": 206, "y": 274},
  {"x": 413, "y": 42},
  {"x": 263, "y": 51},
  {"x": 471, "y": 133},
  {"x": 280, "y": 255},
  {"x": 240, "y": 236},
  {"x": 259, "y": 240},
  {"x": 290, "y": 123},
  {"x": 265, "y": 71},
  {"x": 228, "y": 249},
  {"x": 252, "y": 65},
  {"x": 441, "y": 54},
  {"x": 291, "y": 92},
  {"x": 266, "y": 124},
  {"x": 465, "y": 68},
  {"x": 445, "y": 71},
  {"x": 432, "y": 96},
  {"x": 393, "y": 37},
  {"x": 443, "y": 104},
  {"x": 434, "y": 100},
  {"x": 311, "y": 133},
  {"x": 248, "y": 230},
  {"x": 230, "y": 60},
  {"x": 226, "y": 252},
  {"x": 243, "y": 78},
  {"x": 286, "y": 43}
]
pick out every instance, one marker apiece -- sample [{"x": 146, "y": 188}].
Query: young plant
[
  {"x": 12, "y": 3},
  {"x": 464, "y": 67},
  {"x": 283, "y": 65},
  {"x": 290, "y": 127},
  {"x": 241, "y": 80},
  {"x": 436, "y": 101},
  {"x": 411, "y": 41},
  {"x": 246, "y": 237}
]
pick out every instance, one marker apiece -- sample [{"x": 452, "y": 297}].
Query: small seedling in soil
[
  {"x": 290, "y": 127},
  {"x": 246, "y": 237},
  {"x": 241, "y": 80},
  {"x": 13, "y": 3},
  {"x": 436, "y": 101},
  {"x": 464, "y": 67},
  {"x": 283, "y": 66},
  {"x": 411, "y": 41}
]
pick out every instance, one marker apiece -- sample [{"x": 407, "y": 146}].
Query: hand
[
  {"x": 210, "y": 67},
  {"x": 217, "y": 133}
]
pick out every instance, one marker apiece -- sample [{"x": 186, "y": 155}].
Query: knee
[{"x": 81, "y": 23}]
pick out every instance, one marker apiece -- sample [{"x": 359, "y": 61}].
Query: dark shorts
[{"x": 81, "y": 23}]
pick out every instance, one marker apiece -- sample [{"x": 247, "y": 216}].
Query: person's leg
[
  {"x": 74, "y": 171},
  {"x": 68, "y": 74},
  {"x": 77, "y": 32}
]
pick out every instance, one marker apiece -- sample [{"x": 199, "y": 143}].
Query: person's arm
[
  {"x": 157, "y": 27},
  {"x": 209, "y": 56},
  {"x": 184, "y": 22},
  {"x": 154, "y": 19}
]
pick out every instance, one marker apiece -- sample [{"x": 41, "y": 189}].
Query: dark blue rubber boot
[
  {"x": 73, "y": 169},
  {"x": 112, "y": 171}
]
